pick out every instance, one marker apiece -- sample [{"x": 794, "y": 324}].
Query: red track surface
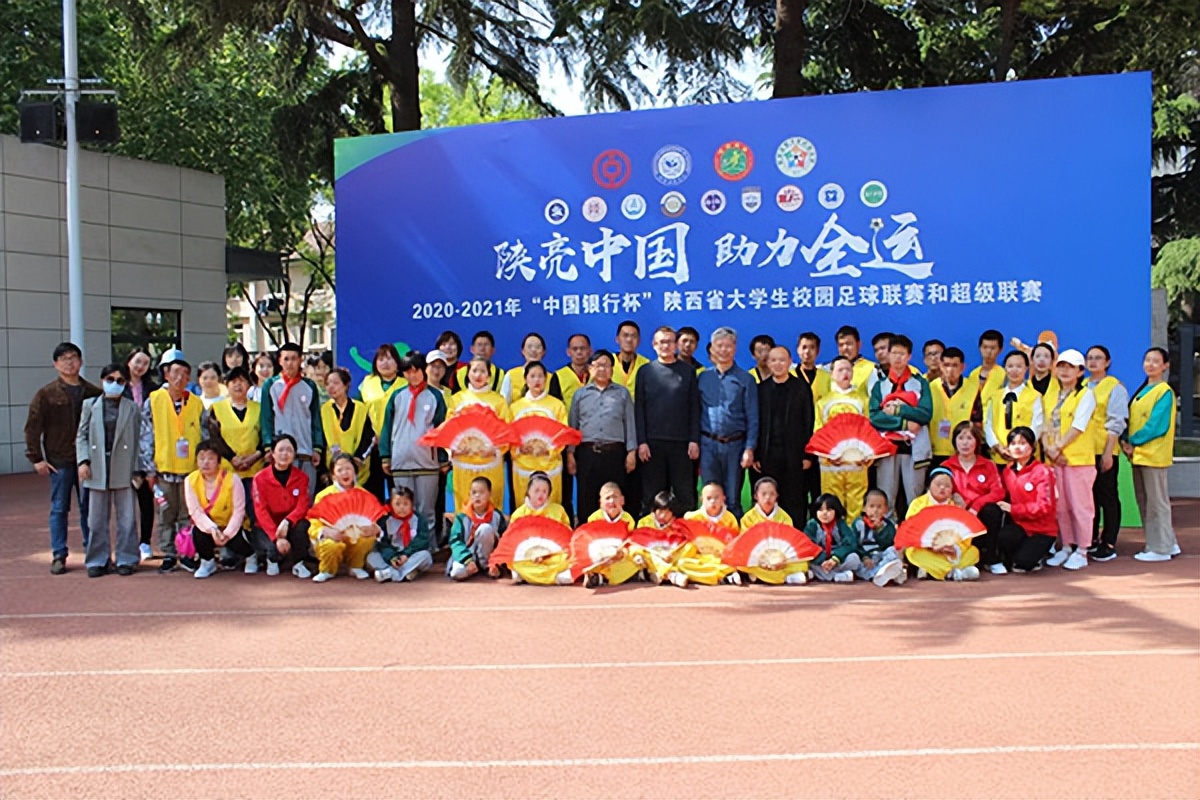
[{"x": 1051, "y": 685}]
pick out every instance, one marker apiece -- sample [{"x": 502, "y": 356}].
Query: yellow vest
[
  {"x": 599, "y": 516},
  {"x": 1022, "y": 414},
  {"x": 169, "y": 427},
  {"x": 340, "y": 441},
  {"x": 628, "y": 379},
  {"x": 820, "y": 383},
  {"x": 545, "y": 406},
  {"x": 222, "y": 509},
  {"x": 241, "y": 435},
  {"x": 1103, "y": 391},
  {"x": 862, "y": 373},
  {"x": 1080, "y": 452},
  {"x": 837, "y": 402},
  {"x": 994, "y": 383},
  {"x": 569, "y": 383},
  {"x": 1158, "y": 452},
  {"x": 551, "y": 510},
  {"x": 948, "y": 412},
  {"x": 469, "y": 397},
  {"x": 376, "y": 398},
  {"x": 516, "y": 382}
]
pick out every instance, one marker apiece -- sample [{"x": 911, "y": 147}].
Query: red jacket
[
  {"x": 274, "y": 503},
  {"x": 1031, "y": 493},
  {"x": 980, "y": 486}
]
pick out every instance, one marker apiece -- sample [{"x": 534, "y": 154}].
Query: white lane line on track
[
  {"x": 796, "y": 602},
  {"x": 552, "y": 763},
  {"x": 596, "y": 665}
]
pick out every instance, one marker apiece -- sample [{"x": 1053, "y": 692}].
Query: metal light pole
[{"x": 74, "y": 243}]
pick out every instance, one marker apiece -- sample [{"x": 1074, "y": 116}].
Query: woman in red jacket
[
  {"x": 977, "y": 482},
  {"x": 1026, "y": 539},
  {"x": 280, "y": 504}
]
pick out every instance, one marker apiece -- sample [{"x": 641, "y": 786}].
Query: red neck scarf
[
  {"x": 288, "y": 383},
  {"x": 477, "y": 519},
  {"x": 898, "y": 379},
  {"x": 412, "y": 402},
  {"x": 829, "y": 536},
  {"x": 405, "y": 529}
]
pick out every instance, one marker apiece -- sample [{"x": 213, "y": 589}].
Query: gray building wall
[{"x": 153, "y": 237}]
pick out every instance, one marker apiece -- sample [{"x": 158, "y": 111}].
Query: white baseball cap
[
  {"x": 170, "y": 356},
  {"x": 437, "y": 355},
  {"x": 1072, "y": 357}
]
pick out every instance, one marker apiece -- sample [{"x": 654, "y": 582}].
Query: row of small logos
[
  {"x": 795, "y": 157},
  {"x": 873, "y": 194}
]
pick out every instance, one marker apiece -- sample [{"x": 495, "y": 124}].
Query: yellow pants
[
  {"x": 331, "y": 553},
  {"x": 847, "y": 485},
  {"x": 465, "y": 472},
  {"x": 524, "y": 466},
  {"x": 939, "y": 566},
  {"x": 776, "y": 576},
  {"x": 545, "y": 572},
  {"x": 619, "y": 570},
  {"x": 701, "y": 568}
]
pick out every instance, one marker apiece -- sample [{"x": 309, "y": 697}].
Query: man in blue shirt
[{"x": 728, "y": 419}]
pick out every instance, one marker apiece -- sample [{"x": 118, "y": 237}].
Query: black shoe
[
  {"x": 97, "y": 572},
  {"x": 58, "y": 566},
  {"x": 190, "y": 564},
  {"x": 1104, "y": 552},
  {"x": 125, "y": 569},
  {"x": 168, "y": 564}
]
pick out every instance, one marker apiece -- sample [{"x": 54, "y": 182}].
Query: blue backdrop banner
[{"x": 1021, "y": 206}]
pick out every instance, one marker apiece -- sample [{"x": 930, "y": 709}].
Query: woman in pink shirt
[{"x": 977, "y": 482}]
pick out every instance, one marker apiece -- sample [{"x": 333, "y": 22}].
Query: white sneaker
[
  {"x": 796, "y": 579},
  {"x": 300, "y": 571},
  {"x": 734, "y": 578},
  {"x": 207, "y": 567},
  {"x": 1176, "y": 551},
  {"x": 516, "y": 578},
  {"x": 677, "y": 578},
  {"x": 1078, "y": 560},
  {"x": 891, "y": 571},
  {"x": 965, "y": 574},
  {"x": 384, "y": 575},
  {"x": 1146, "y": 555},
  {"x": 320, "y": 577},
  {"x": 998, "y": 569},
  {"x": 1059, "y": 558},
  {"x": 843, "y": 577},
  {"x": 251, "y": 567},
  {"x": 360, "y": 574},
  {"x": 144, "y": 553},
  {"x": 272, "y": 568},
  {"x": 922, "y": 574},
  {"x": 562, "y": 579}
]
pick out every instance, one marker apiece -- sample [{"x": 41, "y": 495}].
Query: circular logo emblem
[
  {"x": 796, "y": 157},
  {"x": 873, "y": 193},
  {"x": 713, "y": 202},
  {"x": 633, "y": 206},
  {"x": 789, "y": 197},
  {"x": 1029, "y": 487},
  {"x": 611, "y": 169},
  {"x": 982, "y": 479},
  {"x": 594, "y": 209},
  {"x": 831, "y": 196},
  {"x": 557, "y": 211},
  {"x": 673, "y": 204},
  {"x": 733, "y": 160},
  {"x": 672, "y": 165}
]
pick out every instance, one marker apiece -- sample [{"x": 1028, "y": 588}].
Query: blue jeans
[
  {"x": 722, "y": 463},
  {"x": 63, "y": 484}
]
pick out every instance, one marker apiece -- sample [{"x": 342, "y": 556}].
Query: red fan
[
  {"x": 348, "y": 512},
  {"x": 596, "y": 544},
  {"x": 709, "y": 537},
  {"x": 476, "y": 430},
  {"x": 661, "y": 541},
  {"x": 538, "y": 435},
  {"x": 529, "y": 539},
  {"x": 769, "y": 545},
  {"x": 939, "y": 526},
  {"x": 851, "y": 439}
]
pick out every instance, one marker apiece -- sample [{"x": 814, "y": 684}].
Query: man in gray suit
[{"x": 106, "y": 450}]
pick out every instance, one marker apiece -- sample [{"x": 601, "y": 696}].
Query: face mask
[{"x": 113, "y": 389}]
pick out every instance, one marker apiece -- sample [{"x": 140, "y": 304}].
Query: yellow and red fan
[
  {"x": 531, "y": 539},
  {"x": 939, "y": 526},
  {"x": 850, "y": 439},
  {"x": 769, "y": 546},
  {"x": 708, "y": 537},
  {"x": 596, "y": 545},
  {"x": 539, "y": 435},
  {"x": 661, "y": 541},
  {"x": 474, "y": 431},
  {"x": 349, "y": 513}
]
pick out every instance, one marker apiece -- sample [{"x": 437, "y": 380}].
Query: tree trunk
[
  {"x": 791, "y": 45},
  {"x": 1008, "y": 22},
  {"x": 402, "y": 52}
]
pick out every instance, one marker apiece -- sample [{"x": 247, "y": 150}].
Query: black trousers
[
  {"x": 206, "y": 548},
  {"x": 1108, "y": 504},
  {"x": 669, "y": 468},
  {"x": 568, "y": 491},
  {"x": 989, "y": 549},
  {"x": 297, "y": 537},
  {"x": 1021, "y": 551},
  {"x": 145, "y": 503},
  {"x": 593, "y": 470},
  {"x": 793, "y": 489},
  {"x": 812, "y": 484}
]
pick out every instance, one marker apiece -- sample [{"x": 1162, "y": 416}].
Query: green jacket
[
  {"x": 877, "y": 541},
  {"x": 459, "y": 550},
  {"x": 845, "y": 541},
  {"x": 388, "y": 544}
]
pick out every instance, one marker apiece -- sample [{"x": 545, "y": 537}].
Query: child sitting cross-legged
[
  {"x": 537, "y": 501},
  {"x": 612, "y": 506},
  {"x": 474, "y": 534},
  {"x": 876, "y": 533},
  {"x": 839, "y": 558},
  {"x": 402, "y": 551},
  {"x": 712, "y": 508}
]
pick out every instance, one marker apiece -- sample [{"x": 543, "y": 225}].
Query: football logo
[{"x": 733, "y": 161}]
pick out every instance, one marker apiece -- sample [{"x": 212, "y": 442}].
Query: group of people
[{"x": 1029, "y": 444}]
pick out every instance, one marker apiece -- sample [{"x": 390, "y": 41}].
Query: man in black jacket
[
  {"x": 785, "y": 424},
  {"x": 666, "y": 404}
]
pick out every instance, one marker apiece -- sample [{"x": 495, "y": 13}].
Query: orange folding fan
[
  {"x": 851, "y": 439},
  {"x": 769, "y": 545},
  {"x": 530, "y": 539},
  {"x": 595, "y": 545},
  {"x": 709, "y": 537},
  {"x": 348, "y": 512},
  {"x": 938, "y": 526},
  {"x": 475, "y": 430},
  {"x": 661, "y": 541},
  {"x": 538, "y": 435}
]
